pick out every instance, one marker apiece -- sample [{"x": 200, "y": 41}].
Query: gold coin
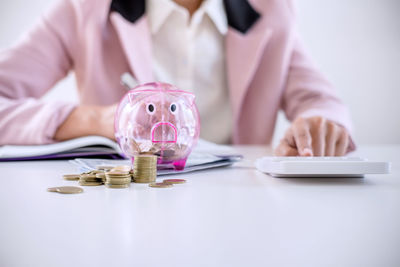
[
  {"x": 118, "y": 177},
  {"x": 119, "y": 181},
  {"x": 174, "y": 181},
  {"x": 117, "y": 185},
  {"x": 145, "y": 158},
  {"x": 90, "y": 179},
  {"x": 145, "y": 175},
  {"x": 85, "y": 176},
  {"x": 66, "y": 189},
  {"x": 101, "y": 175},
  {"x": 95, "y": 180},
  {"x": 71, "y": 177},
  {"x": 145, "y": 179},
  {"x": 52, "y": 189},
  {"x": 104, "y": 167},
  {"x": 142, "y": 181},
  {"x": 117, "y": 173},
  {"x": 146, "y": 153},
  {"x": 160, "y": 185},
  {"x": 145, "y": 168},
  {"x": 90, "y": 183},
  {"x": 122, "y": 168},
  {"x": 96, "y": 172}
]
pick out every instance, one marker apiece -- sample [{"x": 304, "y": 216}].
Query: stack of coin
[
  {"x": 90, "y": 179},
  {"x": 118, "y": 178},
  {"x": 145, "y": 169}
]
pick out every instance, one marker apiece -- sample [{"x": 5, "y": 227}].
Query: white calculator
[{"x": 320, "y": 166}]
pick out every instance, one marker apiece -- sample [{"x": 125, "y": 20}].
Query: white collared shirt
[{"x": 190, "y": 53}]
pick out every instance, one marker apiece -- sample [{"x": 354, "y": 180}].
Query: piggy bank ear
[
  {"x": 189, "y": 98},
  {"x": 132, "y": 95}
]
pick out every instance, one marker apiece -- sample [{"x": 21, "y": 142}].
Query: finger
[
  {"x": 342, "y": 144},
  {"x": 318, "y": 133},
  {"x": 332, "y": 137},
  {"x": 289, "y": 137},
  {"x": 302, "y": 137},
  {"x": 285, "y": 150}
]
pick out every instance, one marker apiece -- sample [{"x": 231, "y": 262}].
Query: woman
[{"x": 243, "y": 60}]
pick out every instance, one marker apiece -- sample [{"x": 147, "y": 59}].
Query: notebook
[
  {"x": 88, "y": 146},
  {"x": 87, "y": 153}
]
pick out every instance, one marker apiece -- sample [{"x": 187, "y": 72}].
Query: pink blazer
[{"x": 267, "y": 68}]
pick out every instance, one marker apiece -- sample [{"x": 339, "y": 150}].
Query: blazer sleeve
[
  {"x": 28, "y": 70},
  {"x": 308, "y": 93}
]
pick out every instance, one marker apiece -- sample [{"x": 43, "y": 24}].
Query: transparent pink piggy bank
[{"x": 160, "y": 119}]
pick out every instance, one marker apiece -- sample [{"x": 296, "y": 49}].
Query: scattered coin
[
  {"x": 174, "y": 181},
  {"x": 71, "y": 177},
  {"x": 160, "y": 185},
  {"x": 52, "y": 189},
  {"x": 66, "y": 189}
]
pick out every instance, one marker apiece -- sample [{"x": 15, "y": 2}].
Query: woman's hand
[
  {"x": 88, "y": 120},
  {"x": 314, "y": 136}
]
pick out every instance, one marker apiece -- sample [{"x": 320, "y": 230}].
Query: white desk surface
[{"x": 223, "y": 217}]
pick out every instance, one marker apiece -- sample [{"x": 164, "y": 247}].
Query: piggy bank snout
[{"x": 164, "y": 132}]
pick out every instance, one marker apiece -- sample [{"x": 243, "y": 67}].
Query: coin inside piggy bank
[{"x": 160, "y": 119}]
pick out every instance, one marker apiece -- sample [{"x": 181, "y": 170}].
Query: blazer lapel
[
  {"x": 243, "y": 55},
  {"x": 135, "y": 40}
]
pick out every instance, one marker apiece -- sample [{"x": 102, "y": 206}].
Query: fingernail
[{"x": 307, "y": 152}]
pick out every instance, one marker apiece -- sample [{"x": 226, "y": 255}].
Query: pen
[{"x": 128, "y": 81}]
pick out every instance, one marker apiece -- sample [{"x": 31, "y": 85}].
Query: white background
[
  {"x": 355, "y": 43},
  {"x": 231, "y": 217}
]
